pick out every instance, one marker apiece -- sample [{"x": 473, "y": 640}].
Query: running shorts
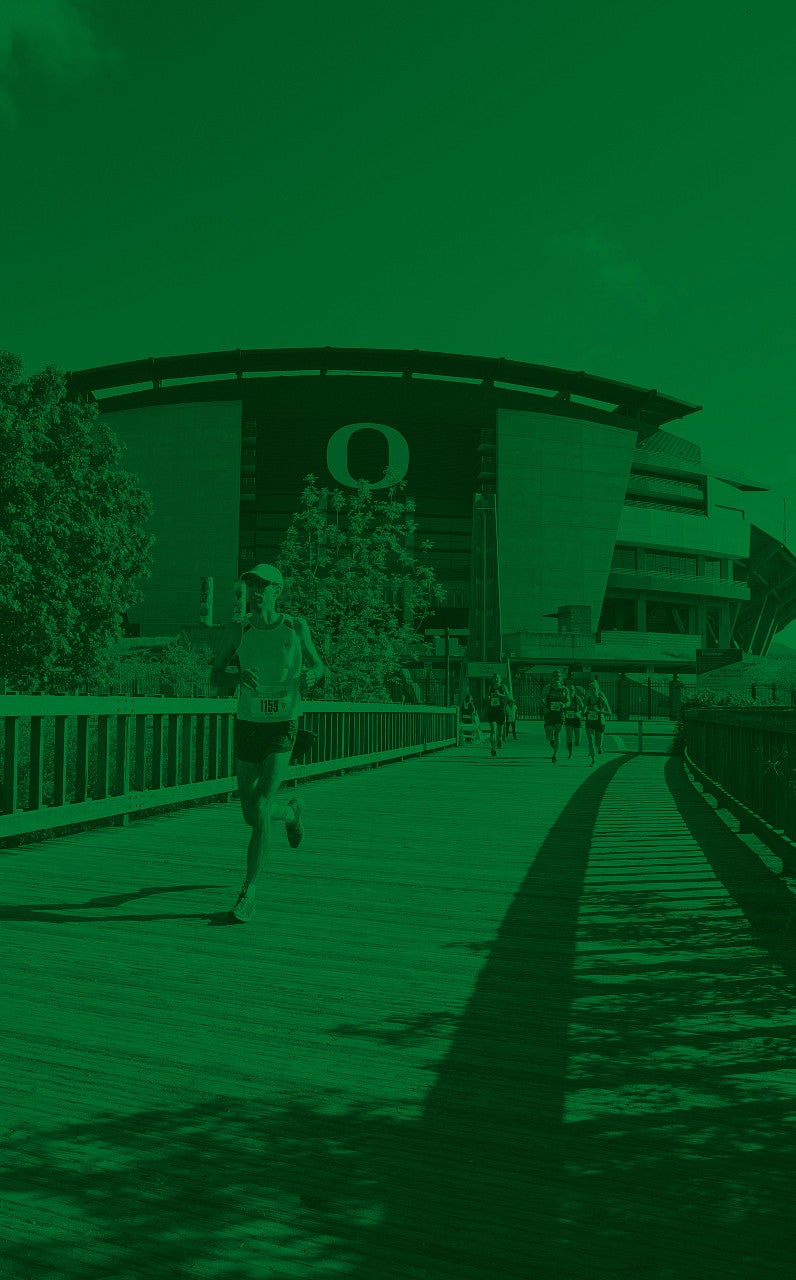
[
  {"x": 595, "y": 723},
  {"x": 553, "y": 718},
  {"x": 253, "y": 742},
  {"x": 496, "y": 715},
  {"x": 574, "y": 722}
]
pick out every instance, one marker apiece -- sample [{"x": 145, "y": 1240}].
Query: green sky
[{"x": 598, "y": 185}]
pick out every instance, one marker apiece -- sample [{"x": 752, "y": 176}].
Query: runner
[
  {"x": 511, "y": 718},
  {"x": 595, "y": 710},
  {"x": 268, "y": 647},
  {"x": 555, "y": 700},
  {"x": 470, "y": 717},
  {"x": 573, "y": 717},
  {"x": 497, "y": 695}
]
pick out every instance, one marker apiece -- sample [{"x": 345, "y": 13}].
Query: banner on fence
[{"x": 712, "y": 659}]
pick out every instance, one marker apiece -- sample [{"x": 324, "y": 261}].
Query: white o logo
[{"x": 397, "y": 455}]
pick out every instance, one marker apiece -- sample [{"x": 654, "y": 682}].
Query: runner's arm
[
  {"x": 227, "y": 682},
  {"x": 316, "y": 670}
]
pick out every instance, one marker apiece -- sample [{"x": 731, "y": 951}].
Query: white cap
[{"x": 267, "y": 572}]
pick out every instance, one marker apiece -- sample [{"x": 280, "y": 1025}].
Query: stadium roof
[{"x": 646, "y": 405}]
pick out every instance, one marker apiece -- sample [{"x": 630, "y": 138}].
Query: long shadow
[
  {"x": 473, "y": 1186},
  {"x": 63, "y": 912},
  {"x": 469, "y": 1190}
]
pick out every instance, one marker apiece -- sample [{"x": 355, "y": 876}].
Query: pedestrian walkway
[{"x": 494, "y": 1018}]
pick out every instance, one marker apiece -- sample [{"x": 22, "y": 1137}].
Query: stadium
[{"x": 570, "y": 524}]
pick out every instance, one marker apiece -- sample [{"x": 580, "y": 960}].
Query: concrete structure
[{"x": 616, "y": 545}]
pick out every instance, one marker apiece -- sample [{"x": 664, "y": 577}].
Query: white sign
[
  {"x": 486, "y": 669},
  {"x": 397, "y": 454}
]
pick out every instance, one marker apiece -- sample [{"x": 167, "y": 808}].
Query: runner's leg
[{"x": 264, "y": 807}]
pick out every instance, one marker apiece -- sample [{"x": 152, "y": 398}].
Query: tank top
[
  {"x": 557, "y": 699},
  {"x": 595, "y": 707},
  {"x": 275, "y": 653}
]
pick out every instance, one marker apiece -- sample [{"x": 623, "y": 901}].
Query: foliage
[
  {"x": 704, "y": 698},
  {"x": 350, "y": 568},
  {"x": 178, "y": 668},
  {"x": 73, "y": 548}
]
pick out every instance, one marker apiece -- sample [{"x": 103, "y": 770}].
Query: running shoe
[
  {"x": 554, "y": 759},
  {"x": 295, "y": 830},
  {"x": 246, "y": 906}
]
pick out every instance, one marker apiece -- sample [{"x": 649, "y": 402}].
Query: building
[{"x": 569, "y": 522}]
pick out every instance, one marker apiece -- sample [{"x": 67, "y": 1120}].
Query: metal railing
[
  {"x": 746, "y": 757},
  {"x": 67, "y": 760}
]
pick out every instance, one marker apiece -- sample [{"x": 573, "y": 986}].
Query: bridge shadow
[{"x": 474, "y": 1185}]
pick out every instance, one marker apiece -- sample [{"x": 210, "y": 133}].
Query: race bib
[
  {"x": 593, "y": 716},
  {"x": 494, "y": 701},
  {"x": 557, "y": 706},
  {"x": 271, "y": 701}
]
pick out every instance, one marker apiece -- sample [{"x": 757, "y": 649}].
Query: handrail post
[
  {"x": 10, "y": 764},
  {"x": 122, "y": 780}
]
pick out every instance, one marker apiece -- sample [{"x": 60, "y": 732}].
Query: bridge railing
[
  {"x": 73, "y": 759},
  {"x": 746, "y": 756}
]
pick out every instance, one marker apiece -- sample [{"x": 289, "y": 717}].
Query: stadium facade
[{"x": 569, "y": 523}]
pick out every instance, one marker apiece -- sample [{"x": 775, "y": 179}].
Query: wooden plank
[
  {"x": 81, "y": 759},
  {"x": 61, "y": 760},
  {"x": 36, "y": 763},
  {"x": 10, "y": 780},
  {"x": 102, "y": 774},
  {"x": 481, "y": 1022}
]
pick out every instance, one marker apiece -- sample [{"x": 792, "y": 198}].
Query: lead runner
[{"x": 269, "y": 648}]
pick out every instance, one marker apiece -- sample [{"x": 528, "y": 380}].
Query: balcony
[
  {"x": 649, "y": 646},
  {"x": 677, "y": 583}
]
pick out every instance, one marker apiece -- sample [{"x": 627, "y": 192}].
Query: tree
[
  {"x": 73, "y": 547},
  {"x": 350, "y": 568}
]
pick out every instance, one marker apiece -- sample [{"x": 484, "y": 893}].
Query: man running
[
  {"x": 497, "y": 695},
  {"x": 572, "y": 717},
  {"x": 595, "y": 705},
  {"x": 268, "y": 647},
  {"x": 555, "y": 700}
]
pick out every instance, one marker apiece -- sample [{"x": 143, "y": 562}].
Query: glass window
[
  {"x": 712, "y": 567},
  {"x": 624, "y": 558}
]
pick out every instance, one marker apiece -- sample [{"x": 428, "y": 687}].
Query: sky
[{"x": 604, "y": 185}]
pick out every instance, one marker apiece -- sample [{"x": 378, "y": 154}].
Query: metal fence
[
  {"x": 71, "y": 759},
  {"x": 747, "y": 757},
  {"x": 643, "y": 699}
]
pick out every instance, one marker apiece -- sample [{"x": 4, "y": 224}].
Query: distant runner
[
  {"x": 511, "y": 718},
  {"x": 269, "y": 648},
  {"x": 497, "y": 695},
  {"x": 470, "y": 717},
  {"x": 595, "y": 710},
  {"x": 573, "y": 717},
  {"x": 555, "y": 700}
]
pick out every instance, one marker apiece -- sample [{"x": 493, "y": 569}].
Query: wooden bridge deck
[{"x": 494, "y": 1019}]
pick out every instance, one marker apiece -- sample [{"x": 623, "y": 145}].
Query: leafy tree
[
  {"x": 179, "y": 667},
  {"x": 72, "y": 542},
  {"x": 350, "y": 568}
]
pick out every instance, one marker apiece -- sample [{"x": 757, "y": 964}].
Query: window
[
  {"x": 713, "y": 626},
  {"x": 618, "y": 615},
  {"x": 624, "y": 559},
  {"x": 670, "y": 564},
  {"x": 712, "y": 568},
  {"x": 673, "y": 619}
]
